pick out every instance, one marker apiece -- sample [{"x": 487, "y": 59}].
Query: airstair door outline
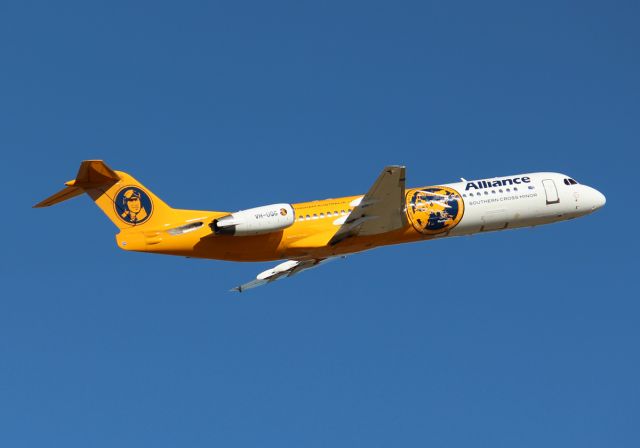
[{"x": 551, "y": 191}]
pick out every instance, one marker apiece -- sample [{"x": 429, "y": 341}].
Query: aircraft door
[
  {"x": 551, "y": 191},
  {"x": 494, "y": 220}
]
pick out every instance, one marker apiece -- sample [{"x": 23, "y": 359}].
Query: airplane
[{"x": 309, "y": 234}]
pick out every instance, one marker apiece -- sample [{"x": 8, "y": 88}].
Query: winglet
[{"x": 92, "y": 174}]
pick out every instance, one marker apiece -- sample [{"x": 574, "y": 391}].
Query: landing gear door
[{"x": 551, "y": 191}]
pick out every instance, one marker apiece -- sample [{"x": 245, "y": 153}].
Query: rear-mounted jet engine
[{"x": 255, "y": 221}]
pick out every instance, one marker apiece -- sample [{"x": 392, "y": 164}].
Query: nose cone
[
  {"x": 596, "y": 199},
  {"x": 601, "y": 200}
]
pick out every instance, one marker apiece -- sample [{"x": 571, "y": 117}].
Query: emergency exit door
[{"x": 551, "y": 191}]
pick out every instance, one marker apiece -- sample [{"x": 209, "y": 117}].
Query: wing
[
  {"x": 380, "y": 210},
  {"x": 286, "y": 269}
]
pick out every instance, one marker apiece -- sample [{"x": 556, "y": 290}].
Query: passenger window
[
  {"x": 493, "y": 191},
  {"x": 322, "y": 215},
  {"x": 486, "y": 193},
  {"x": 315, "y": 216},
  {"x": 500, "y": 190},
  {"x": 508, "y": 190}
]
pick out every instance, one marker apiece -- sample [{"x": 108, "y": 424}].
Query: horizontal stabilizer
[
  {"x": 62, "y": 195},
  {"x": 92, "y": 174}
]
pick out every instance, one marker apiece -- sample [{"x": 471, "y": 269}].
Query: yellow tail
[{"x": 122, "y": 198}]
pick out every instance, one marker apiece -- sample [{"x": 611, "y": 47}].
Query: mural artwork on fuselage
[{"x": 434, "y": 210}]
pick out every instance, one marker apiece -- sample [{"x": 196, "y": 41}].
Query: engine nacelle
[{"x": 255, "y": 221}]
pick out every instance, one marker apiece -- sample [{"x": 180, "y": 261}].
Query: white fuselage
[{"x": 521, "y": 201}]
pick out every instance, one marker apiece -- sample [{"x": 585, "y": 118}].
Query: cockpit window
[
  {"x": 569, "y": 181},
  {"x": 572, "y": 182}
]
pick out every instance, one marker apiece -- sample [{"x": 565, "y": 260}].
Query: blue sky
[{"x": 526, "y": 338}]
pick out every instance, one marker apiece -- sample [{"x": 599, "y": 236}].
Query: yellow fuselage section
[{"x": 308, "y": 237}]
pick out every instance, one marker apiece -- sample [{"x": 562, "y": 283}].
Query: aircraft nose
[{"x": 596, "y": 199}]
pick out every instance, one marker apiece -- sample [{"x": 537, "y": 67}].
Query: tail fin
[{"x": 121, "y": 197}]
